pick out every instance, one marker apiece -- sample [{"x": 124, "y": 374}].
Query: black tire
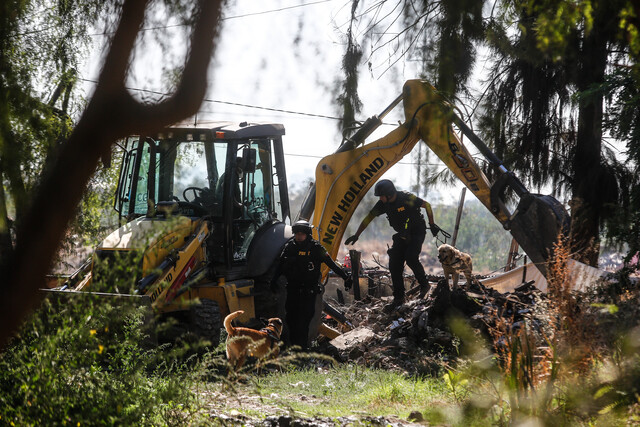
[{"x": 205, "y": 321}]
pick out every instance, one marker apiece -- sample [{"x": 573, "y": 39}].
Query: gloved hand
[
  {"x": 351, "y": 240},
  {"x": 348, "y": 282},
  {"x": 434, "y": 229}
]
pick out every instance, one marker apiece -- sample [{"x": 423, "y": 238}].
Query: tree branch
[{"x": 111, "y": 114}]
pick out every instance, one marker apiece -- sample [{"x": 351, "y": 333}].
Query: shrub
[{"x": 83, "y": 361}]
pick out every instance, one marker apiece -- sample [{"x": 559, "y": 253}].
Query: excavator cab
[{"x": 184, "y": 171}]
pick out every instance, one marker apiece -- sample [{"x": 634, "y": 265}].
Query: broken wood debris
[{"x": 416, "y": 337}]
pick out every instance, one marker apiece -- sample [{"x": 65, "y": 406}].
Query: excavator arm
[{"x": 343, "y": 178}]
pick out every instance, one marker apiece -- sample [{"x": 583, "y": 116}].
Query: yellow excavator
[{"x": 206, "y": 210}]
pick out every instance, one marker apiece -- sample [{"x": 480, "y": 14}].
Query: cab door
[{"x": 135, "y": 190}]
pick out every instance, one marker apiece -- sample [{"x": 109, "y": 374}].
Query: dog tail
[{"x": 227, "y": 322}]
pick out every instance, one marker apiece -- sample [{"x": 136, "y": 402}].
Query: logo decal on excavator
[
  {"x": 156, "y": 293},
  {"x": 184, "y": 274},
  {"x": 349, "y": 197}
]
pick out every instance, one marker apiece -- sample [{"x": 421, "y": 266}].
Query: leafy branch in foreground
[{"x": 86, "y": 362}]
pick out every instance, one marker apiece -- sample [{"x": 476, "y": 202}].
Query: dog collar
[
  {"x": 456, "y": 261},
  {"x": 270, "y": 334}
]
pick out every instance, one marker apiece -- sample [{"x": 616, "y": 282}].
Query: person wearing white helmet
[
  {"x": 403, "y": 212},
  {"x": 300, "y": 263}
]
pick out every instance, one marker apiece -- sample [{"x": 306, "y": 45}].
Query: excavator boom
[{"x": 343, "y": 178}]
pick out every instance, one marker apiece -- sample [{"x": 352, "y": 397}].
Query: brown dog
[
  {"x": 243, "y": 342},
  {"x": 455, "y": 262}
]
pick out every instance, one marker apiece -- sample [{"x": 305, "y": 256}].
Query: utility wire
[
  {"x": 163, "y": 27},
  {"x": 215, "y": 101},
  {"x": 277, "y": 10},
  {"x": 108, "y": 33},
  {"x": 269, "y": 109},
  {"x": 399, "y": 163},
  {"x": 272, "y": 109}
]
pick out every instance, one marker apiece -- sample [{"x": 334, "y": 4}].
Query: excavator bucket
[{"x": 537, "y": 221}]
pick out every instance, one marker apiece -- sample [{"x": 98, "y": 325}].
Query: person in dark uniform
[
  {"x": 300, "y": 263},
  {"x": 236, "y": 189},
  {"x": 403, "y": 212}
]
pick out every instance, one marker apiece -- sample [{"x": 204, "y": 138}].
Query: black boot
[
  {"x": 424, "y": 289},
  {"x": 397, "y": 302}
]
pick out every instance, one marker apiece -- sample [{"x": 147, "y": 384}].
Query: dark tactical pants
[
  {"x": 405, "y": 251},
  {"x": 300, "y": 308}
]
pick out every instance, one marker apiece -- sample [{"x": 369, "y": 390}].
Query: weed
[
  {"x": 456, "y": 382},
  {"x": 83, "y": 363},
  {"x": 573, "y": 360}
]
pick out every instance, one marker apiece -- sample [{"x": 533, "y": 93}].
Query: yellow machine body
[
  {"x": 342, "y": 179},
  {"x": 182, "y": 239}
]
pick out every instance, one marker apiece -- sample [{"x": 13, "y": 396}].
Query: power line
[
  {"x": 272, "y": 109},
  {"x": 278, "y": 10},
  {"x": 399, "y": 163},
  {"x": 163, "y": 27},
  {"x": 269, "y": 109},
  {"x": 215, "y": 101}
]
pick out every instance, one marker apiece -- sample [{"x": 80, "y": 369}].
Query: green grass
[
  {"x": 352, "y": 390},
  {"x": 356, "y": 393}
]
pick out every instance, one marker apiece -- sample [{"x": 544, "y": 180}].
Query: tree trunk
[
  {"x": 5, "y": 224},
  {"x": 586, "y": 204},
  {"x": 111, "y": 114}
]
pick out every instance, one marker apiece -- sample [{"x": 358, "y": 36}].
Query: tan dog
[
  {"x": 455, "y": 262},
  {"x": 243, "y": 342}
]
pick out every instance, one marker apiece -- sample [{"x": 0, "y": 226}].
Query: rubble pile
[{"x": 416, "y": 337}]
